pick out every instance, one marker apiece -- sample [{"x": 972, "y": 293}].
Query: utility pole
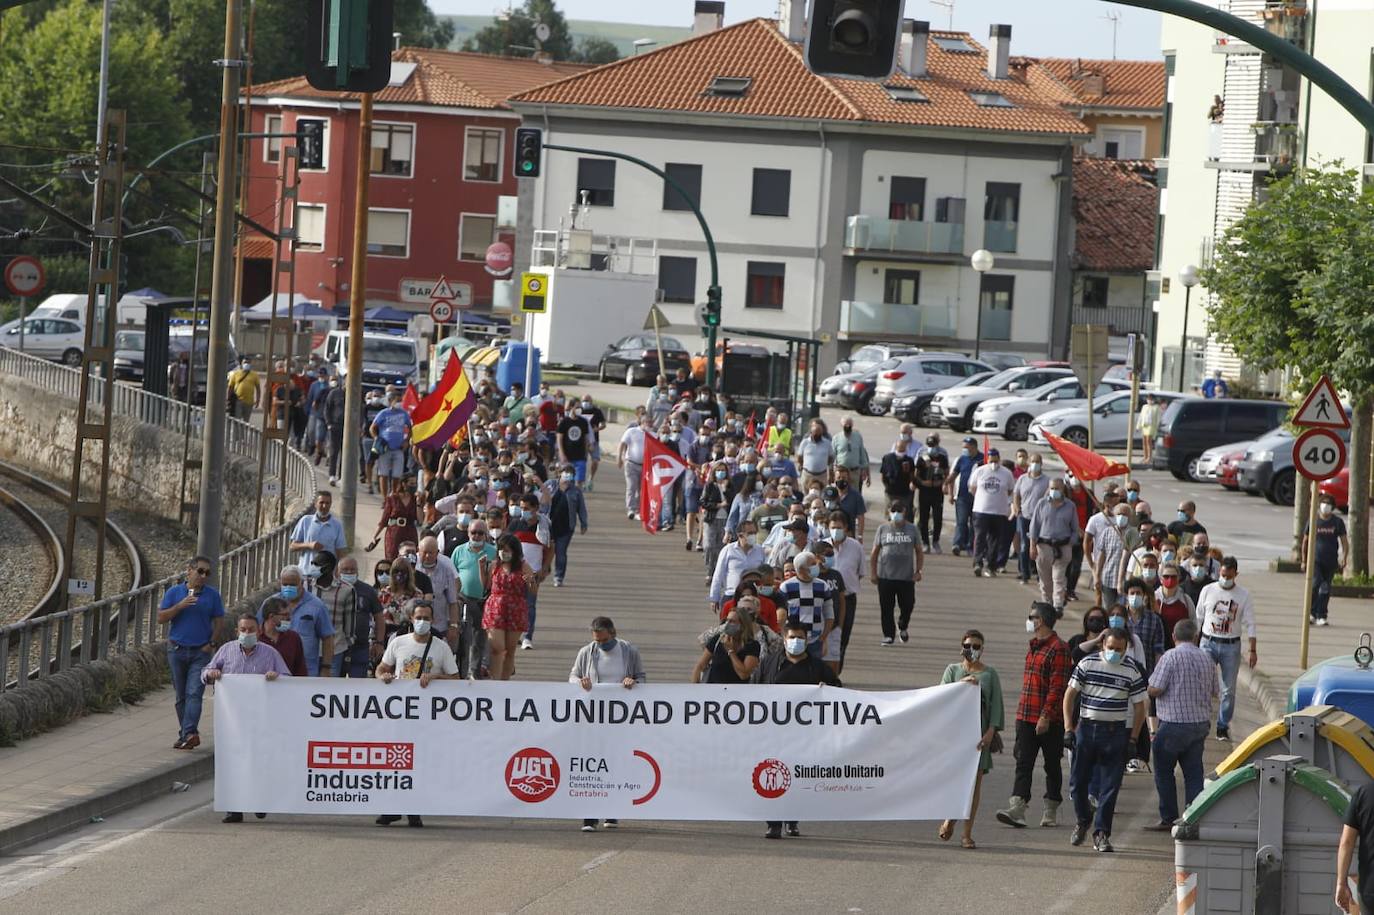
[
  {"x": 221, "y": 294},
  {"x": 353, "y": 401}
]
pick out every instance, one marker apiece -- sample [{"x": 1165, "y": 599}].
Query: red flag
[
  {"x": 1082, "y": 463},
  {"x": 661, "y": 467},
  {"x": 750, "y": 427},
  {"x": 987, "y": 446},
  {"x": 410, "y": 399}
]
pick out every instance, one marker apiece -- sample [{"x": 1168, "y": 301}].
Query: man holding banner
[{"x": 661, "y": 468}]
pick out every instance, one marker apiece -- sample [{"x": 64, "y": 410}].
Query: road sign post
[
  {"x": 1318, "y": 454},
  {"x": 1088, "y": 359},
  {"x": 24, "y": 277},
  {"x": 534, "y": 300},
  {"x": 654, "y": 321}
]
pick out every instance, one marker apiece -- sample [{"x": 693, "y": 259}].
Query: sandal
[
  {"x": 946, "y": 830},
  {"x": 967, "y": 842}
]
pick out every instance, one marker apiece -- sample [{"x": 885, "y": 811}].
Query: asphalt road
[{"x": 174, "y": 853}]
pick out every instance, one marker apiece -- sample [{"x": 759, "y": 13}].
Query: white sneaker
[
  {"x": 526, "y": 644},
  {"x": 935, "y": 548},
  {"x": 886, "y": 643},
  {"x": 1135, "y": 767},
  {"x": 1321, "y": 621}
]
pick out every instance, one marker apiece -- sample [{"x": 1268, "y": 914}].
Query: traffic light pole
[
  {"x": 353, "y": 393},
  {"x": 713, "y": 297}
]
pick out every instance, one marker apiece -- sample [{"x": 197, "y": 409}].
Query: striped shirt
[
  {"x": 1108, "y": 546},
  {"x": 1187, "y": 678},
  {"x": 810, "y": 602},
  {"x": 1108, "y": 690}
]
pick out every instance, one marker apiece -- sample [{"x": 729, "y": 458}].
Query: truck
[{"x": 387, "y": 358}]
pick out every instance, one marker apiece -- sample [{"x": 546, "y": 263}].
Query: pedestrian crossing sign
[{"x": 1322, "y": 409}]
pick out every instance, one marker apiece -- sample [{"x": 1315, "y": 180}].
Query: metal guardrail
[{"x": 115, "y": 624}]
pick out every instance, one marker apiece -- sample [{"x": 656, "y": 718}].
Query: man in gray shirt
[
  {"x": 850, "y": 451},
  {"x": 1026, "y": 496},
  {"x": 895, "y": 564},
  {"x": 1052, "y": 533},
  {"x": 444, "y": 578},
  {"x": 815, "y": 455}
]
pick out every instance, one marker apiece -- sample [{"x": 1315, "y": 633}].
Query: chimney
[
  {"x": 915, "y": 38},
  {"x": 999, "y": 51},
  {"x": 792, "y": 19},
  {"x": 709, "y": 17}
]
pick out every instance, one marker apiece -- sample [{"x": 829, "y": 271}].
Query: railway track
[{"x": 50, "y": 544}]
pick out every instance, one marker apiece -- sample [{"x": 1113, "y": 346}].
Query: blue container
[
  {"x": 1339, "y": 682},
  {"x": 510, "y": 369}
]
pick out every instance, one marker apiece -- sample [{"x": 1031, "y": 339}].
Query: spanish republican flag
[{"x": 444, "y": 410}]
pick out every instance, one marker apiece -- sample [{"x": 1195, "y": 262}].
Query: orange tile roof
[
  {"x": 460, "y": 79},
  {"x": 1124, "y": 84},
  {"x": 1115, "y": 205},
  {"x": 675, "y": 78},
  {"x": 258, "y": 246}
]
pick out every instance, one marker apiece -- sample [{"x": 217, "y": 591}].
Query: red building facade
[{"x": 439, "y": 158}]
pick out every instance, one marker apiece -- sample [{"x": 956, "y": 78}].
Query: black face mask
[{"x": 1096, "y": 625}]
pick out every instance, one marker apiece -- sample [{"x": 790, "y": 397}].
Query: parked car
[
  {"x": 1228, "y": 469},
  {"x": 1011, "y": 415},
  {"x": 69, "y": 306},
  {"x": 857, "y": 393},
  {"x": 51, "y": 338},
  {"x": 919, "y": 407},
  {"x": 829, "y": 390},
  {"x": 1191, "y": 425},
  {"x": 1209, "y": 464},
  {"x": 869, "y": 355},
  {"x": 635, "y": 359},
  {"x": 1111, "y": 418},
  {"x": 1267, "y": 468},
  {"x": 956, "y": 404},
  {"x": 925, "y": 373},
  {"x": 1338, "y": 488},
  {"x": 698, "y": 362},
  {"x": 128, "y": 355},
  {"x": 1001, "y": 361}
]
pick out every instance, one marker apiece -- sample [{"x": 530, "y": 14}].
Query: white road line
[{"x": 598, "y": 861}]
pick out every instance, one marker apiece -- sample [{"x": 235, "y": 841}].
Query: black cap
[
  {"x": 797, "y": 524},
  {"x": 970, "y": 440}
]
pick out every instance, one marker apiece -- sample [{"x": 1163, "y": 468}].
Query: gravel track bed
[{"x": 26, "y": 569}]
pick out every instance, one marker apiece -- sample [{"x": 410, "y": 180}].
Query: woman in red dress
[
  {"x": 398, "y": 519},
  {"x": 507, "y": 610}
]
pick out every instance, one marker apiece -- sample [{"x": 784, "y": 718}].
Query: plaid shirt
[
  {"x": 1048, "y": 666},
  {"x": 1188, "y": 677},
  {"x": 1149, "y": 628}
]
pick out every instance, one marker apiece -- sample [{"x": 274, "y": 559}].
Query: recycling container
[
  {"x": 510, "y": 369},
  {"x": 1323, "y": 735}
]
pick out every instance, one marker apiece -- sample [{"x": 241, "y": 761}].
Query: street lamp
[
  {"x": 982, "y": 261},
  {"x": 1189, "y": 278}
]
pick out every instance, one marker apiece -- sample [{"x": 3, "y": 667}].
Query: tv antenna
[
  {"x": 948, "y": 5},
  {"x": 1114, "y": 17}
]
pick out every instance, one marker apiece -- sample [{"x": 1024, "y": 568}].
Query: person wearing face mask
[
  {"x": 318, "y": 530},
  {"x": 961, "y": 497},
  {"x": 809, "y": 598},
  {"x": 849, "y": 563},
  {"x": 1333, "y": 549},
  {"x": 1171, "y": 601},
  {"x": 1039, "y": 719},
  {"x": 567, "y": 512},
  {"x": 898, "y": 473},
  {"x": 367, "y": 455},
  {"x": 631, "y": 460},
  {"x": 1148, "y": 628},
  {"x": 991, "y": 487},
  {"x": 770, "y": 512},
  {"x": 1227, "y": 612},
  {"x": 794, "y": 665},
  {"x": 1183, "y": 686},
  {"x": 334, "y": 425},
  {"x": 1088, "y": 641},
  {"x": 816, "y": 454},
  {"x": 850, "y": 452},
  {"x": 711, "y": 505},
  {"x": 190, "y": 609},
  {"x": 506, "y": 615},
  {"x": 747, "y": 494},
  {"x": 795, "y": 535},
  {"x": 832, "y": 648},
  {"x": 244, "y": 390},
  {"x": 1086, "y": 505},
  {"x": 606, "y": 659},
  {"x": 932, "y": 470},
  {"x": 1186, "y": 526},
  {"x": 1112, "y": 689},
  {"x": 1052, "y": 537},
  {"x": 310, "y": 620},
  {"x": 350, "y": 652},
  {"x": 1026, "y": 495},
  {"x": 736, "y": 558},
  {"x": 442, "y": 587},
  {"x": 371, "y": 624},
  {"x": 1198, "y": 572},
  {"x": 971, "y": 669},
  {"x": 1107, "y": 550},
  {"x": 473, "y": 562},
  {"x": 596, "y": 423},
  {"x": 399, "y": 519},
  {"x": 851, "y": 501},
  {"x": 392, "y": 426},
  {"x": 895, "y": 564}
]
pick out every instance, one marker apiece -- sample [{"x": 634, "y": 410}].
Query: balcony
[
  {"x": 999, "y": 236},
  {"x": 1269, "y": 147},
  {"x": 1286, "y": 19},
  {"x": 883, "y": 321},
  {"x": 580, "y": 249},
  {"x": 903, "y": 236}
]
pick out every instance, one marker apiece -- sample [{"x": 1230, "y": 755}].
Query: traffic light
[
  {"x": 310, "y": 142},
  {"x": 529, "y": 146},
  {"x": 348, "y": 44},
  {"x": 854, "y": 38},
  {"x": 710, "y": 315}
]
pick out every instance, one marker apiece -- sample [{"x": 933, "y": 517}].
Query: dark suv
[{"x": 1191, "y": 425}]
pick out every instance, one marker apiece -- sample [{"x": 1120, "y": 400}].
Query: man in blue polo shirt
[
  {"x": 191, "y": 607},
  {"x": 309, "y": 620},
  {"x": 956, "y": 487},
  {"x": 318, "y": 531},
  {"x": 392, "y": 426}
]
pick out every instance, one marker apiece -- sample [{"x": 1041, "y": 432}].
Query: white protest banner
[{"x": 681, "y": 752}]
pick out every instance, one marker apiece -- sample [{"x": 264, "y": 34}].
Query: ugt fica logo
[
  {"x": 772, "y": 779},
  {"x": 532, "y": 775}
]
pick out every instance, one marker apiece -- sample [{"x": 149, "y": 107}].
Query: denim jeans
[
  {"x": 963, "y": 523},
  {"x": 560, "y": 555},
  {"x": 532, "y": 601},
  {"x": 1227, "y": 656},
  {"x": 352, "y": 661},
  {"x": 1099, "y": 762},
  {"x": 1178, "y": 744},
  {"x": 1321, "y": 588},
  {"x": 186, "y": 664},
  {"x": 1025, "y": 569}
]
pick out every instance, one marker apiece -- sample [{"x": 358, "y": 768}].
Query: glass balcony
[
  {"x": 996, "y": 323},
  {"x": 999, "y": 236},
  {"x": 870, "y": 233},
  {"x": 887, "y": 321}
]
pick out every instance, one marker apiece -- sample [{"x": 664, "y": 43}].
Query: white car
[
  {"x": 828, "y": 391},
  {"x": 1210, "y": 461},
  {"x": 51, "y": 338},
  {"x": 1011, "y": 415},
  {"x": 1111, "y": 420},
  {"x": 956, "y": 405}
]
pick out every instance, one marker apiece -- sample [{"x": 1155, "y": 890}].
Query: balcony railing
[
  {"x": 908, "y": 236},
  {"x": 1277, "y": 144},
  {"x": 580, "y": 249},
  {"x": 881, "y": 319},
  {"x": 999, "y": 236},
  {"x": 1121, "y": 319}
]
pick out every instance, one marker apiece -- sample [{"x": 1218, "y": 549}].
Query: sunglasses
[
  {"x": 972, "y": 646},
  {"x": 199, "y": 571},
  {"x": 385, "y": 571}
]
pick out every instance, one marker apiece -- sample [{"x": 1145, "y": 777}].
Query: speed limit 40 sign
[{"x": 1319, "y": 454}]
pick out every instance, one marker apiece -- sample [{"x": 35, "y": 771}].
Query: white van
[
  {"x": 387, "y": 358},
  {"x": 66, "y": 306}
]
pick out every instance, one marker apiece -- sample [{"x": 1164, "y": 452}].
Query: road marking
[{"x": 598, "y": 861}]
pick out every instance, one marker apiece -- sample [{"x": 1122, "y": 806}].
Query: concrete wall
[{"x": 38, "y": 432}]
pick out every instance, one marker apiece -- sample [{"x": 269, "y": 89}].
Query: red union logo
[
  {"x": 771, "y": 778},
  {"x": 532, "y": 775},
  {"x": 347, "y": 754}
]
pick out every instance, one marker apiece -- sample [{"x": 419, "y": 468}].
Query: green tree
[
  {"x": 419, "y": 27},
  {"x": 1291, "y": 282},
  {"x": 594, "y": 50},
  {"x": 514, "y": 34}
]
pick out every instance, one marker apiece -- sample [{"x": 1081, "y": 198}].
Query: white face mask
[
  {"x": 1227, "y": 583},
  {"x": 837, "y": 534},
  {"x": 746, "y": 540},
  {"x": 796, "y": 647},
  {"x": 1035, "y": 468},
  {"x": 422, "y": 627},
  {"x": 1326, "y": 509},
  {"x": 1030, "y": 626}
]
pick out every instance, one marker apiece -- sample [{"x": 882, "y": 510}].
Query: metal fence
[{"x": 35, "y": 648}]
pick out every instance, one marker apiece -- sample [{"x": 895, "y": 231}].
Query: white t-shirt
[
  {"x": 633, "y": 440},
  {"x": 403, "y": 655},
  {"x": 991, "y": 485}
]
